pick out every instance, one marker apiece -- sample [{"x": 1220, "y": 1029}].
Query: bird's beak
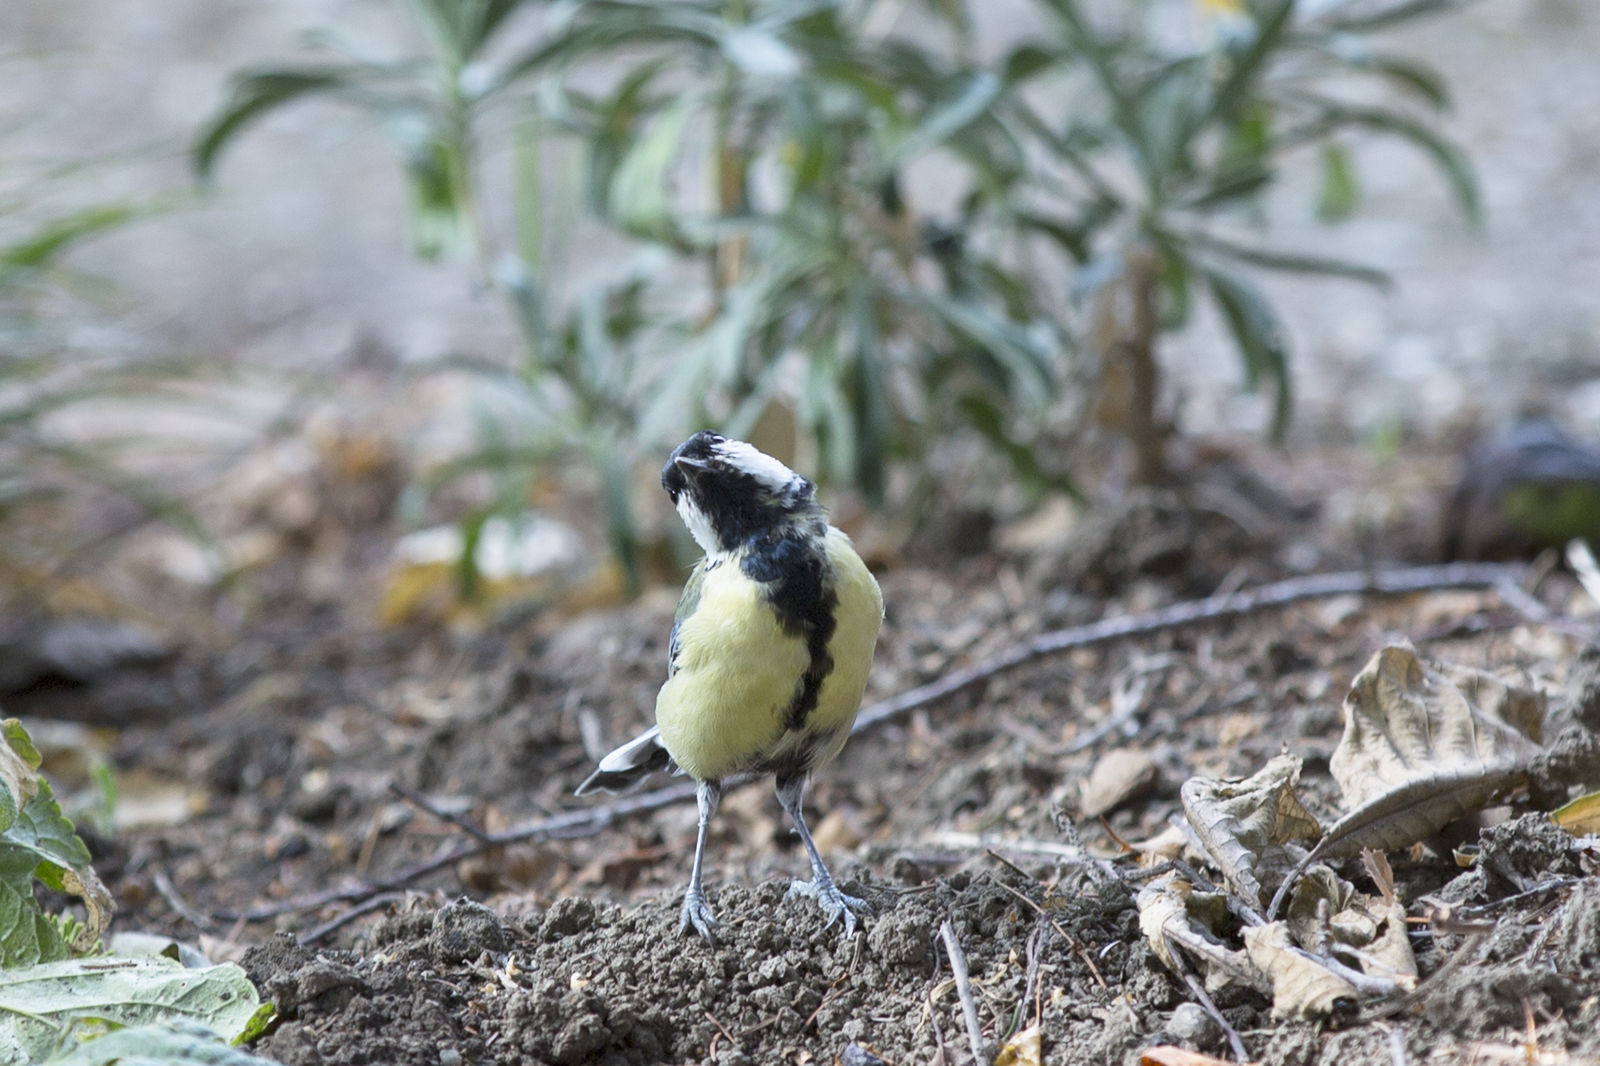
[{"x": 692, "y": 468}]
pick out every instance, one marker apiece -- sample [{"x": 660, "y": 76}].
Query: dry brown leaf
[
  {"x": 1417, "y": 810},
  {"x": 1163, "y": 847},
  {"x": 1424, "y": 744},
  {"x": 1376, "y": 863},
  {"x": 1024, "y": 1049},
  {"x": 1391, "y": 948},
  {"x": 97, "y": 901},
  {"x": 1167, "y": 1055},
  {"x": 1301, "y": 987},
  {"x": 1581, "y": 817},
  {"x": 1407, "y": 719},
  {"x": 1166, "y": 920},
  {"x": 1319, "y": 885},
  {"x": 1237, "y": 821},
  {"x": 1118, "y": 777}
]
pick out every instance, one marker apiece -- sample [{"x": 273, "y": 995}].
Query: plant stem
[{"x": 1144, "y": 372}]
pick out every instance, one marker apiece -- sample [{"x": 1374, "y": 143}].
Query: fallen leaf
[
  {"x": 1238, "y": 821},
  {"x": 1424, "y": 744},
  {"x": 1376, "y": 863},
  {"x": 837, "y": 832},
  {"x": 1023, "y": 1049},
  {"x": 1167, "y": 1055},
  {"x": 1120, "y": 775},
  {"x": 1391, "y": 948},
  {"x": 1581, "y": 817},
  {"x": 1407, "y": 719},
  {"x": 1301, "y": 988},
  {"x": 1166, "y": 921},
  {"x": 1163, "y": 847}
]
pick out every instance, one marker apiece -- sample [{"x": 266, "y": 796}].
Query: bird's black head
[{"x": 727, "y": 492}]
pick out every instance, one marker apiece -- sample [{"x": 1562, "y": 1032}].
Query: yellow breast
[{"x": 722, "y": 711}]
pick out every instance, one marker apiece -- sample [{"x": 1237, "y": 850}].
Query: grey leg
[
  {"x": 696, "y": 912},
  {"x": 835, "y": 904}
]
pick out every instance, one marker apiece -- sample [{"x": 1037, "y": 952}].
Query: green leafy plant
[
  {"x": 44, "y": 373},
  {"x": 1161, "y": 158},
  {"x": 820, "y": 288},
  {"x": 805, "y": 282},
  {"x": 38, "y": 843}
]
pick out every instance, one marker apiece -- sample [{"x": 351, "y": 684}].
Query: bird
[{"x": 768, "y": 656}]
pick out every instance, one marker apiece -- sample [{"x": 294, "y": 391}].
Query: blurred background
[{"x": 389, "y": 310}]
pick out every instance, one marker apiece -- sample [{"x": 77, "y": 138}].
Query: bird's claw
[
  {"x": 697, "y": 915},
  {"x": 834, "y": 903}
]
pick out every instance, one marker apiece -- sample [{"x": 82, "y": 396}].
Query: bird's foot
[
  {"x": 834, "y": 903},
  {"x": 697, "y": 915}
]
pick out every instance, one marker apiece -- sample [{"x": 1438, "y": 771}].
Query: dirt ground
[{"x": 968, "y": 810}]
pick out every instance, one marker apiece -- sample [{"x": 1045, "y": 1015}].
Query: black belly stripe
[{"x": 795, "y": 568}]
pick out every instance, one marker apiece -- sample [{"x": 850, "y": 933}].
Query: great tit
[{"x": 769, "y": 652}]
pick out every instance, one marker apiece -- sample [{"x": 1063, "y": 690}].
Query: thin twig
[
  {"x": 345, "y": 917},
  {"x": 1277, "y": 594},
  {"x": 1235, "y": 1044},
  {"x": 179, "y": 905},
  {"x": 561, "y": 826},
  {"x": 969, "y": 1007},
  {"x": 460, "y": 821}
]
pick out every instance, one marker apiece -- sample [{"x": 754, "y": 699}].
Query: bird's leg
[
  {"x": 834, "y": 904},
  {"x": 696, "y": 912}
]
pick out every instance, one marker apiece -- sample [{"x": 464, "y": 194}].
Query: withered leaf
[
  {"x": 1023, "y": 1049},
  {"x": 1408, "y": 719},
  {"x": 1391, "y": 948},
  {"x": 1119, "y": 776},
  {"x": 1167, "y": 924},
  {"x": 1237, "y": 821},
  {"x": 1301, "y": 987},
  {"x": 1417, "y": 809},
  {"x": 1580, "y": 817},
  {"x": 1169, "y": 1055}
]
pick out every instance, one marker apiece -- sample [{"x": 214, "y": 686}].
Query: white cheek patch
[
  {"x": 699, "y": 525},
  {"x": 757, "y": 464}
]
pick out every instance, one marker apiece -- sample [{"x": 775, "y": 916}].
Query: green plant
[
  {"x": 50, "y": 208},
  {"x": 822, "y": 291},
  {"x": 1159, "y": 157},
  {"x": 817, "y": 289}
]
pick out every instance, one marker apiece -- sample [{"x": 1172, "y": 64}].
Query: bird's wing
[
  {"x": 628, "y": 765},
  {"x": 686, "y": 607}
]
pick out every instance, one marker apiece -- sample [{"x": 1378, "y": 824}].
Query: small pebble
[
  {"x": 1192, "y": 1026},
  {"x": 449, "y": 1057}
]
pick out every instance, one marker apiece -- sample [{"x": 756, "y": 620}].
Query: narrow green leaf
[
  {"x": 1390, "y": 16},
  {"x": 1341, "y": 191},
  {"x": 1289, "y": 262},
  {"x": 254, "y": 94},
  {"x": 1259, "y": 339},
  {"x": 1451, "y": 160},
  {"x": 638, "y": 195},
  {"x": 945, "y": 121}
]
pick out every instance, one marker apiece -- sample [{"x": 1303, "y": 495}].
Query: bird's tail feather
[{"x": 623, "y": 769}]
